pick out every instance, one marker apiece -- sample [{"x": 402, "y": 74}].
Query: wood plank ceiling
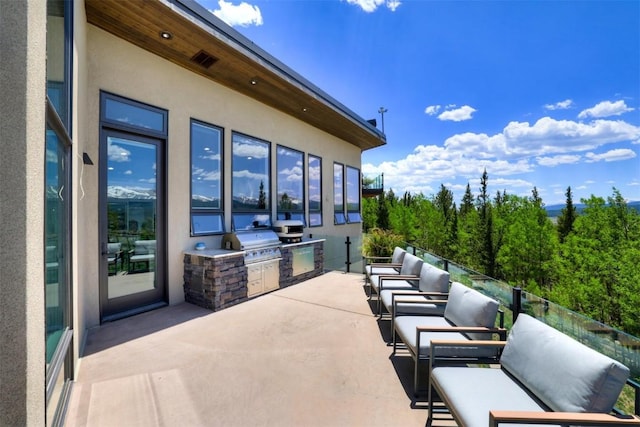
[{"x": 224, "y": 56}]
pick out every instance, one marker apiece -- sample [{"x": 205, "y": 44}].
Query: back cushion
[
  {"x": 411, "y": 265},
  {"x": 468, "y": 307},
  {"x": 433, "y": 279},
  {"x": 398, "y": 255},
  {"x": 564, "y": 374}
]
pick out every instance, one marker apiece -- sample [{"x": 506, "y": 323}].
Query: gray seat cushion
[
  {"x": 565, "y": 374},
  {"x": 398, "y": 285},
  {"x": 396, "y": 258},
  {"x": 419, "y": 304},
  {"x": 473, "y": 392},
  {"x": 432, "y": 279},
  {"x": 405, "y": 327},
  {"x": 468, "y": 307},
  {"x": 411, "y": 266}
]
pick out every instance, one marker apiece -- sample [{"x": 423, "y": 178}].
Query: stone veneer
[
  {"x": 286, "y": 264},
  {"x": 220, "y": 281},
  {"x": 215, "y": 282}
]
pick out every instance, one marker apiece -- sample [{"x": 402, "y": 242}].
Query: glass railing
[
  {"x": 342, "y": 253},
  {"x": 605, "y": 339}
]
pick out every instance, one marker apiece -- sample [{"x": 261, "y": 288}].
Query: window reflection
[
  {"x": 251, "y": 174},
  {"x": 206, "y": 179},
  {"x": 290, "y": 193},
  {"x": 353, "y": 194},
  {"x": 55, "y": 241},
  {"x": 57, "y": 69},
  {"x": 132, "y": 115},
  {"x": 314, "y": 191},
  {"x": 338, "y": 193}
]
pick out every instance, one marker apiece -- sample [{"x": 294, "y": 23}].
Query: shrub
[{"x": 380, "y": 243}]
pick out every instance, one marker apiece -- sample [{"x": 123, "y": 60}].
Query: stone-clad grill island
[{"x": 250, "y": 263}]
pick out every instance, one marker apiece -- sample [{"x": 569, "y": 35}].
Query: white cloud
[
  {"x": 562, "y": 105},
  {"x": 242, "y": 14},
  {"x": 458, "y": 115},
  {"x": 520, "y": 148},
  {"x": 550, "y": 136},
  {"x": 432, "y": 110},
  {"x": 558, "y": 160},
  {"x": 606, "y": 109},
  {"x": 371, "y": 5},
  {"x": 393, "y": 5},
  {"x": 611, "y": 155},
  {"x": 250, "y": 150},
  {"x": 116, "y": 153}
]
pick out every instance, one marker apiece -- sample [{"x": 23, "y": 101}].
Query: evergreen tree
[
  {"x": 467, "y": 201},
  {"x": 262, "y": 198},
  {"x": 485, "y": 228},
  {"x": 567, "y": 217},
  {"x": 383, "y": 213}
]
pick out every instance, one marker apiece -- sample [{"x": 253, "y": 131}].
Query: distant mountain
[
  {"x": 118, "y": 192},
  {"x": 554, "y": 210}
]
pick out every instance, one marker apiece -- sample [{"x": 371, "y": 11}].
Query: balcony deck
[{"x": 308, "y": 355}]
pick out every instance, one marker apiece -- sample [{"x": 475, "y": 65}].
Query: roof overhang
[{"x": 197, "y": 40}]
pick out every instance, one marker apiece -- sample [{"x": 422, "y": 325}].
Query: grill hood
[{"x": 248, "y": 240}]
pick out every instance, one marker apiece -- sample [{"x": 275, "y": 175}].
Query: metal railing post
[
  {"x": 348, "y": 261},
  {"x": 516, "y": 305},
  {"x": 446, "y": 265}
]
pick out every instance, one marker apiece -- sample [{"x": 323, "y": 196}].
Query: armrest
[
  {"x": 419, "y": 293},
  {"x": 421, "y": 329},
  {"x": 564, "y": 418},
  {"x": 461, "y": 343},
  {"x": 405, "y": 277},
  {"x": 384, "y": 265},
  {"x": 372, "y": 257},
  {"x": 396, "y": 301}
]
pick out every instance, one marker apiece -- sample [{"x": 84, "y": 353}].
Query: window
[
  {"x": 57, "y": 211},
  {"x": 206, "y": 179},
  {"x": 290, "y": 183},
  {"x": 250, "y": 183},
  {"x": 338, "y": 194},
  {"x": 315, "y": 191},
  {"x": 128, "y": 114},
  {"x": 353, "y": 195}
]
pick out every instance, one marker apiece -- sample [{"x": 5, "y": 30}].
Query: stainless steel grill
[{"x": 259, "y": 245}]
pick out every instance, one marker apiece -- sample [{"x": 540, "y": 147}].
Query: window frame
[
  {"x": 122, "y": 125},
  {"x": 353, "y": 216},
  {"x": 259, "y": 217},
  {"x": 217, "y": 214},
  {"x": 298, "y": 213},
  {"x": 339, "y": 216},
  {"x": 314, "y": 212}
]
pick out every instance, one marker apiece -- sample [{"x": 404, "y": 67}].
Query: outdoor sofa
[
  {"x": 384, "y": 265},
  {"x": 545, "y": 377},
  {"x": 468, "y": 315},
  {"x": 406, "y": 279},
  {"x": 433, "y": 284}
]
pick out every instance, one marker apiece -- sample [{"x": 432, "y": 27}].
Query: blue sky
[{"x": 540, "y": 93}]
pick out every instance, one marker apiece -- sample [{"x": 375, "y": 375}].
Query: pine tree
[{"x": 567, "y": 217}]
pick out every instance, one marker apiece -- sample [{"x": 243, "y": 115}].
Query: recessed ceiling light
[
  {"x": 166, "y": 35},
  {"x": 304, "y": 109},
  {"x": 254, "y": 81}
]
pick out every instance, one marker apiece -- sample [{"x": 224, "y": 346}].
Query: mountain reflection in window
[
  {"x": 290, "y": 193},
  {"x": 251, "y": 174}
]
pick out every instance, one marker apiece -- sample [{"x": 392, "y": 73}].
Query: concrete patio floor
[{"x": 309, "y": 355}]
